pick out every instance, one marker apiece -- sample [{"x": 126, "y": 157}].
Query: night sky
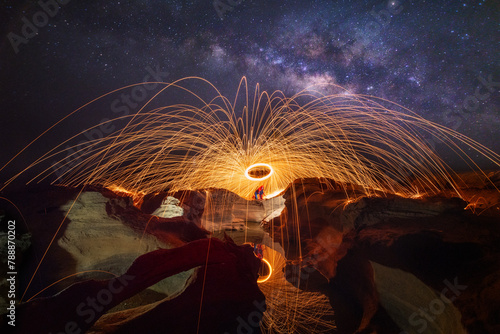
[{"x": 437, "y": 58}]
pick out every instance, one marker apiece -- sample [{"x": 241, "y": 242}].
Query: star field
[{"x": 438, "y": 58}]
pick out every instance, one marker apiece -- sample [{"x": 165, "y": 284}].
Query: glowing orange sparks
[
  {"x": 265, "y": 278},
  {"x": 251, "y": 178}
]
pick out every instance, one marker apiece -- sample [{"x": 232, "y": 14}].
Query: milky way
[{"x": 437, "y": 58}]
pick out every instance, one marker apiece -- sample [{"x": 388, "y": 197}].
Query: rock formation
[
  {"x": 392, "y": 264},
  {"x": 228, "y": 272},
  {"x": 387, "y": 264}
]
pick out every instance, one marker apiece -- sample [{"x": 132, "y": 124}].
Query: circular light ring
[
  {"x": 263, "y": 279},
  {"x": 259, "y": 178}
]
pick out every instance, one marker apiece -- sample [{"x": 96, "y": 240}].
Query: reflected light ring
[{"x": 262, "y": 280}]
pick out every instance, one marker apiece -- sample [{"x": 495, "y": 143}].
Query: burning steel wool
[
  {"x": 267, "y": 141},
  {"x": 348, "y": 138}
]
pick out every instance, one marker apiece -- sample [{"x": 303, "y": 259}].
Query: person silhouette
[{"x": 259, "y": 193}]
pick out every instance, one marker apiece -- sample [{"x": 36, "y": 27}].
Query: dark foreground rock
[
  {"x": 387, "y": 264},
  {"x": 393, "y": 264},
  {"x": 96, "y": 235},
  {"x": 225, "y": 284}
]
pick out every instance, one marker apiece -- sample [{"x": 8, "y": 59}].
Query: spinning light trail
[
  {"x": 289, "y": 309},
  {"x": 270, "y": 272},
  {"x": 268, "y": 140},
  {"x": 252, "y": 168},
  {"x": 351, "y": 139}
]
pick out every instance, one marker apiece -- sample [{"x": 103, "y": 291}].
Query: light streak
[
  {"x": 351, "y": 139},
  {"x": 265, "y": 177},
  {"x": 289, "y": 309},
  {"x": 136, "y": 196},
  {"x": 270, "y": 268},
  {"x": 370, "y": 143},
  {"x": 68, "y": 276}
]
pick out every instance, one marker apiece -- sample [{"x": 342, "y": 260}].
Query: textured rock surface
[
  {"x": 227, "y": 211},
  {"x": 96, "y": 235},
  {"x": 363, "y": 245},
  {"x": 169, "y": 208},
  {"x": 22, "y": 242},
  {"x": 414, "y": 306},
  {"x": 384, "y": 262},
  {"x": 192, "y": 204},
  {"x": 230, "y": 280},
  {"x": 222, "y": 210}
]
